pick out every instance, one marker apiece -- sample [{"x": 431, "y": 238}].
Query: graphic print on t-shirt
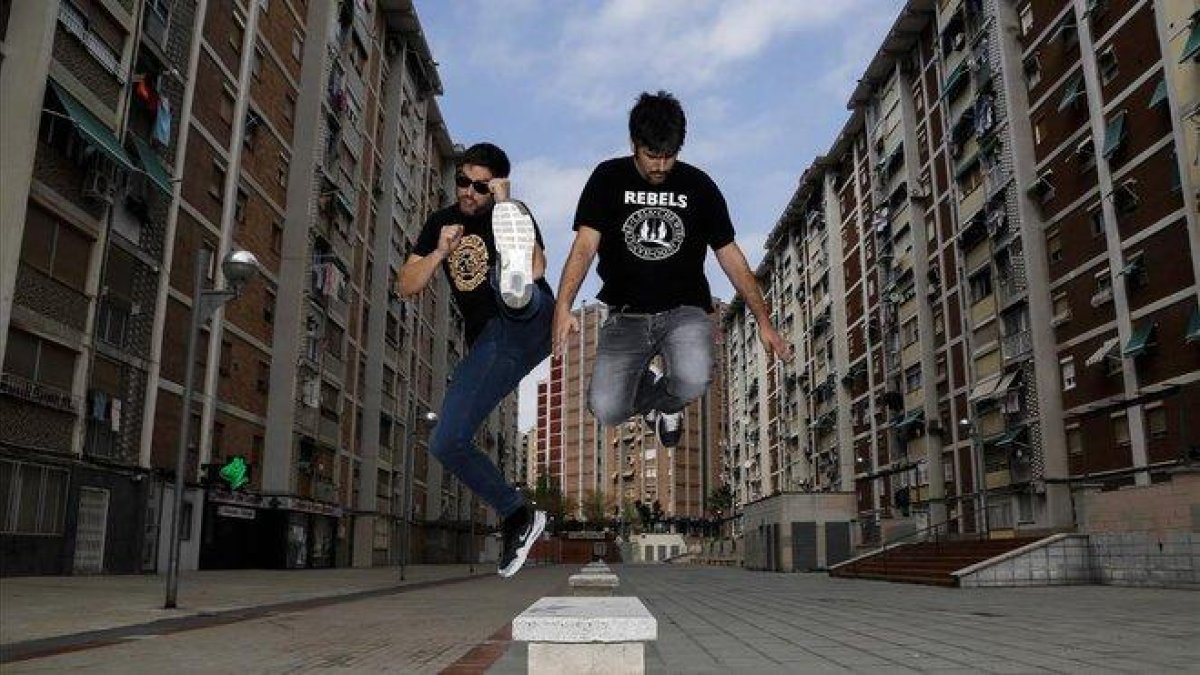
[
  {"x": 469, "y": 263},
  {"x": 653, "y": 233}
]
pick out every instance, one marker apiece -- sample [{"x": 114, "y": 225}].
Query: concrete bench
[
  {"x": 593, "y": 584},
  {"x": 586, "y": 635},
  {"x": 593, "y": 568}
]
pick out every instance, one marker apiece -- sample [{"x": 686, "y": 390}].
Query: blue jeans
[
  {"x": 623, "y": 386},
  {"x": 504, "y": 353}
]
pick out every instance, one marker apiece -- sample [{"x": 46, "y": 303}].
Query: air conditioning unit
[
  {"x": 920, "y": 191},
  {"x": 99, "y": 184}
]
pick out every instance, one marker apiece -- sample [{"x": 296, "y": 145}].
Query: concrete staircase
[{"x": 926, "y": 562}]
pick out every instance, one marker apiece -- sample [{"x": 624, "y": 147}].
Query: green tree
[
  {"x": 596, "y": 506},
  {"x": 720, "y": 502}
]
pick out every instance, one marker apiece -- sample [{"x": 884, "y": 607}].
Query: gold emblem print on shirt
[{"x": 469, "y": 263}]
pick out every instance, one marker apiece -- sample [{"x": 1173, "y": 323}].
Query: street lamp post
[
  {"x": 239, "y": 266},
  {"x": 425, "y": 421},
  {"x": 980, "y": 477}
]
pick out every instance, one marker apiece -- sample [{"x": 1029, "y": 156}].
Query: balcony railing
[
  {"x": 34, "y": 392},
  {"x": 1016, "y": 345}
]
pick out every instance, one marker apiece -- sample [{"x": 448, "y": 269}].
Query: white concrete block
[
  {"x": 623, "y": 658},
  {"x": 568, "y": 619}
]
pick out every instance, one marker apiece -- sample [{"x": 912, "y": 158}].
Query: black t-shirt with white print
[
  {"x": 653, "y": 238},
  {"x": 469, "y": 264}
]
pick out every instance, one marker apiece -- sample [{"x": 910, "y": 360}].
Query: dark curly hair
[
  {"x": 657, "y": 123},
  {"x": 489, "y": 156}
]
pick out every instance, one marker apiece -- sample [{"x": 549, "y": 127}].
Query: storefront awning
[
  {"x": 95, "y": 132},
  {"x": 1109, "y": 348},
  {"x": 1140, "y": 342},
  {"x": 152, "y": 165}
]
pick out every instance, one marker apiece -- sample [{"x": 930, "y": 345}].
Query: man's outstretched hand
[
  {"x": 565, "y": 323},
  {"x": 774, "y": 344}
]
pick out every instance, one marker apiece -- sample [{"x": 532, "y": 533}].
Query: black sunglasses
[{"x": 480, "y": 186}]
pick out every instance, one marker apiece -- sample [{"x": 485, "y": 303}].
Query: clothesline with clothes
[{"x": 104, "y": 407}]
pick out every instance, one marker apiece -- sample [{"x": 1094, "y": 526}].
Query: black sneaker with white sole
[
  {"x": 520, "y": 532},
  {"x": 513, "y": 229}
]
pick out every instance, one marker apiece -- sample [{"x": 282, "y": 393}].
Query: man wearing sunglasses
[
  {"x": 491, "y": 251},
  {"x": 651, "y": 220}
]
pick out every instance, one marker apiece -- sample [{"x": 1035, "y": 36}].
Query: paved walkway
[
  {"x": 711, "y": 620},
  {"x": 722, "y": 620}
]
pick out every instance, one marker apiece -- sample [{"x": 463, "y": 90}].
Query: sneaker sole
[
  {"x": 539, "y": 525},
  {"x": 513, "y": 230}
]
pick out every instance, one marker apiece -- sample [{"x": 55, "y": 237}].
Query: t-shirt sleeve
[
  {"x": 537, "y": 231},
  {"x": 592, "y": 209},
  {"x": 427, "y": 241},
  {"x": 720, "y": 226}
]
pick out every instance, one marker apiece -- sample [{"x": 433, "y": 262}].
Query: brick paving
[{"x": 710, "y": 620}]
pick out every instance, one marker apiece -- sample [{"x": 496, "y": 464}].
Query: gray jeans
[{"x": 622, "y": 385}]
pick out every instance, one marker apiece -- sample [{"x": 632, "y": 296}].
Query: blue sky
[{"x": 764, "y": 84}]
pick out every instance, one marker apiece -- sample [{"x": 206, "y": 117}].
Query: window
[
  {"x": 227, "y": 102},
  {"x": 1054, "y": 245},
  {"x": 239, "y": 30},
  {"x": 39, "y": 360},
  {"x": 1120, "y": 427},
  {"x": 32, "y": 498},
  {"x": 263, "y": 382},
  {"x": 239, "y": 207},
  {"x": 981, "y": 285},
  {"x": 1106, "y": 61},
  {"x": 276, "y": 238},
  {"x": 1085, "y": 152},
  {"x": 297, "y": 45},
  {"x": 1074, "y": 441},
  {"x": 912, "y": 378},
  {"x": 1067, "y": 368},
  {"x": 1062, "y": 308},
  {"x": 1125, "y": 197},
  {"x": 1037, "y": 131},
  {"x": 56, "y": 248},
  {"x": 289, "y": 108},
  {"x": 282, "y": 170},
  {"x": 1033, "y": 72},
  {"x": 1096, "y": 221},
  {"x": 910, "y": 331},
  {"x": 1025, "y": 14},
  {"x": 226, "y": 357},
  {"x": 256, "y": 63},
  {"x": 1156, "y": 422},
  {"x": 216, "y": 181}
]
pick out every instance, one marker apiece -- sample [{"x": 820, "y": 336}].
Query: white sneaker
[{"x": 512, "y": 227}]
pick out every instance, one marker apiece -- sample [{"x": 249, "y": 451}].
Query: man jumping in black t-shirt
[
  {"x": 651, "y": 219},
  {"x": 491, "y": 251}
]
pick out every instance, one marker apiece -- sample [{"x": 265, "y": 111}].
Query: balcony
[
  {"x": 40, "y": 394},
  {"x": 1016, "y": 345},
  {"x": 1009, "y": 287}
]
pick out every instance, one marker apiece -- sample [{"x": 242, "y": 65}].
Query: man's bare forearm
[
  {"x": 417, "y": 272},
  {"x": 574, "y": 272},
  {"x": 733, "y": 262}
]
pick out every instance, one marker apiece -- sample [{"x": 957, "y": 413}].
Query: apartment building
[
  {"x": 582, "y": 457},
  {"x": 1012, "y": 265},
  {"x": 167, "y": 135}
]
